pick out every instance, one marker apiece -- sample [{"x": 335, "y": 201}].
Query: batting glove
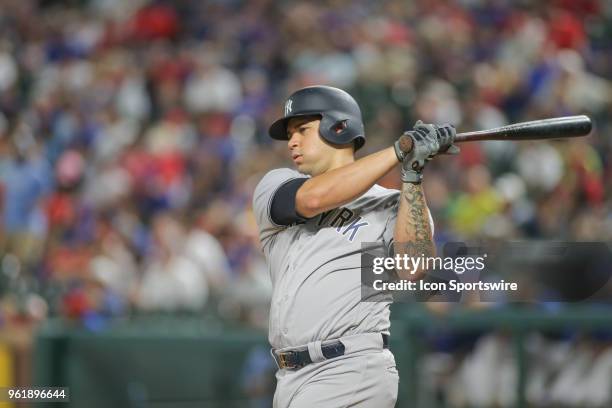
[
  {"x": 427, "y": 141},
  {"x": 446, "y": 136}
]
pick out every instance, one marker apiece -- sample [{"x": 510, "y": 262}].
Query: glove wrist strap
[{"x": 411, "y": 176}]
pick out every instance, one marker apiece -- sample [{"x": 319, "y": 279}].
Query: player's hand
[
  {"x": 425, "y": 141},
  {"x": 446, "y": 136},
  {"x": 425, "y": 144}
]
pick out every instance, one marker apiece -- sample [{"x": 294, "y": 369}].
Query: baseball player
[{"x": 331, "y": 348}]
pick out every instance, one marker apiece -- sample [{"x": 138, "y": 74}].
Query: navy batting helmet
[{"x": 341, "y": 121}]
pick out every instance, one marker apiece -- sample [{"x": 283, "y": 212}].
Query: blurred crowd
[
  {"x": 133, "y": 133},
  {"x": 561, "y": 369}
]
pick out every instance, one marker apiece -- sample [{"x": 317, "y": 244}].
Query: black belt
[{"x": 294, "y": 360}]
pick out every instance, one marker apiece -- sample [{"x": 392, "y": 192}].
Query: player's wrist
[{"x": 411, "y": 176}]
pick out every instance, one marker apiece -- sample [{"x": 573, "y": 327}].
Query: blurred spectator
[
  {"x": 171, "y": 280},
  {"x": 206, "y": 251},
  {"x": 26, "y": 179}
]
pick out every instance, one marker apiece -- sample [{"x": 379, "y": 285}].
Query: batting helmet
[{"x": 341, "y": 121}]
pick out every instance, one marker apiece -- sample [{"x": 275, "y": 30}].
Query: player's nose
[{"x": 294, "y": 139}]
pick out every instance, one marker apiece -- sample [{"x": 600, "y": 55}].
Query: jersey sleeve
[
  {"x": 283, "y": 210},
  {"x": 262, "y": 200}
]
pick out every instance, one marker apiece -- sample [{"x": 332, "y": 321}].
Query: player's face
[{"x": 309, "y": 151}]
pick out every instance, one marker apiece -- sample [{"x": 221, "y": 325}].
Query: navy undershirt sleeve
[{"x": 282, "y": 210}]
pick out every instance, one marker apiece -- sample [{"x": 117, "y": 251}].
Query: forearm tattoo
[{"x": 417, "y": 230}]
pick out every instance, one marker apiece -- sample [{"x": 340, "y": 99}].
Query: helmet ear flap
[
  {"x": 327, "y": 128},
  {"x": 340, "y": 130}
]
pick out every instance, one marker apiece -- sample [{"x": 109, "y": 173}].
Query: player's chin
[
  {"x": 302, "y": 168},
  {"x": 299, "y": 164}
]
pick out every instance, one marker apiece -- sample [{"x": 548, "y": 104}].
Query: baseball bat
[{"x": 554, "y": 128}]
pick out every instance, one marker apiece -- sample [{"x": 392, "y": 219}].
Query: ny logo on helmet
[{"x": 288, "y": 107}]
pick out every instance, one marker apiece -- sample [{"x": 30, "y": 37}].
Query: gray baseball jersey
[{"x": 315, "y": 265}]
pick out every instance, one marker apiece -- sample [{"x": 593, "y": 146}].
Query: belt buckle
[{"x": 283, "y": 360}]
